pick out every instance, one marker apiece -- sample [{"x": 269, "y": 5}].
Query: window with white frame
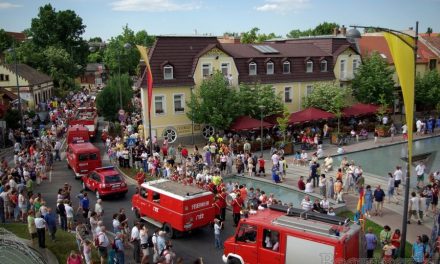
[
  {"x": 225, "y": 69},
  {"x": 159, "y": 104},
  {"x": 286, "y": 67},
  {"x": 269, "y": 68},
  {"x": 178, "y": 103},
  {"x": 343, "y": 69},
  {"x": 309, "y": 89},
  {"x": 252, "y": 68},
  {"x": 168, "y": 72},
  {"x": 309, "y": 67},
  {"x": 323, "y": 66},
  {"x": 356, "y": 64},
  {"x": 206, "y": 69},
  {"x": 287, "y": 94}
]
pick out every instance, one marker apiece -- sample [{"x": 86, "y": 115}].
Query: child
[
  {"x": 218, "y": 225},
  {"x": 261, "y": 169},
  {"x": 87, "y": 251}
]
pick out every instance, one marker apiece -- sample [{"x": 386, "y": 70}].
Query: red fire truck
[
  {"x": 173, "y": 206},
  {"x": 277, "y": 237},
  {"x": 83, "y": 158},
  {"x": 88, "y": 117},
  {"x": 77, "y": 134}
]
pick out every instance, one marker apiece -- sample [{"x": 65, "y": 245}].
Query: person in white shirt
[
  {"x": 319, "y": 152},
  {"x": 309, "y": 186},
  {"x": 398, "y": 175},
  {"x": 217, "y": 229},
  {"x": 135, "y": 240},
  {"x": 328, "y": 163},
  {"x": 116, "y": 224},
  {"x": 41, "y": 226},
  {"x": 275, "y": 159},
  {"x": 306, "y": 204},
  {"x": 414, "y": 208},
  {"x": 419, "y": 126},
  {"x": 325, "y": 204},
  {"x": 98, "y": 208},
  {"x": 143, "y": 236},
  {"x": 304, "y": 158},
  {"x": 104, "y": 242},
  {"x": 420, "y": 172},
  {"x": 69, "y": 214}
]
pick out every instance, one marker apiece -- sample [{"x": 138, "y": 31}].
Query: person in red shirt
[
  {"x": 261, "y": 163},
  {"x": 395, "y": 241},
  {"x": 236, "y": 204},
  {"x": 184, "y": 152},
  {"x": 217, "y": 207},
  {"x": 301, "y": 183},
  {"x": 222, "y": 199}
]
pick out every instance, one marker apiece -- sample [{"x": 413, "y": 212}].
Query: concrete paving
[{"x": 392, "y": 213}]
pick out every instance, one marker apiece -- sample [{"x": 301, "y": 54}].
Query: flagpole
[{"x": 408, "y": 94}]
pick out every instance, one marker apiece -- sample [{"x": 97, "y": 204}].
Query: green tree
[
  {"x": 96, "y": 39},
  {"x": 325, "y": 96},
  {"x": 373, "y": 78},
  {"x": 142, "y": 38},
  {"x": 283, "y": 122},
  {"x": 427, "y": 90},
  {"x": 5, "y": 41},
  {"x": 116, "y": 54},
  {"x": 55, "y": 41},
  {"x": 214, "y": 103},
  {"x": 329, "y": 97},
  {"x": 252, "y": 96},
  {"x": 252, "y": 36},
  {"x": 12, "y": 118},
  {"x": 325, "y": 28},
  {"x": 429, "y": 30},
  {"x": 107, "y": 101}
]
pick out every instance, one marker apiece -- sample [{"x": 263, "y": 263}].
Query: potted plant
[
  {"x": 283, "y": 122},
  {"x": 382, "y": 129}
]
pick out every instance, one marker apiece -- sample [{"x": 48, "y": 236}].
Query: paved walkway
[{"x": 392, "y": 214}]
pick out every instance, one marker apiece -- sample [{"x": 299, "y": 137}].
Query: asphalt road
[{"x": 199, "y": 243}]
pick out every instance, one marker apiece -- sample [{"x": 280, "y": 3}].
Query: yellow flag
[{"x": 401, "y": 48}]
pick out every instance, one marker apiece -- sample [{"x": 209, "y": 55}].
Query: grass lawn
[
  {"x": 65, "y": 242},
  {"x": 376, "y": 230}
]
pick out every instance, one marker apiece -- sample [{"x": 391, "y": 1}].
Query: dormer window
[
  {"x": 269, "y": 68},
  {"x": 168, "y": 72},
  {"x": 309, "y": 66},
  {"x": 286, "y": 67},
  {"x": 252, "y": 68},
  {"x": 323, "y": 66}
]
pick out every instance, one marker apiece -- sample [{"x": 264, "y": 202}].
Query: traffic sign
[{"x": 131, "y": 142}]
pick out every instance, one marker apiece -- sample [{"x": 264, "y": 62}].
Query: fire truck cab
[
  {"x": 173, "y": 206},
  {"x": 83, "y": 158},
  {"x": 277, "y": 237},
  {"x": 77, "y": 134}
]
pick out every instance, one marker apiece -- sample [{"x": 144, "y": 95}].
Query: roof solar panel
[{"x": 265, "y": 49}]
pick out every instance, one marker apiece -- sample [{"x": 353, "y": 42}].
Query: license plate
[{"x": 115, "y": 186}]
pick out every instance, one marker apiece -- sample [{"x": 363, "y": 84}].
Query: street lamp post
[
  {"x": 17, "y": 83},
  {"x": 261, "y": 128},
  {"x": 355, "y": 34},
  {"x": 126, "y": 46}
]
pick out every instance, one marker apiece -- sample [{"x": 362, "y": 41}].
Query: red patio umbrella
[
  {"x": 309, "y": 114},
  {"x": 360, "y": 109},
  {"x": 243, "y": 123}
]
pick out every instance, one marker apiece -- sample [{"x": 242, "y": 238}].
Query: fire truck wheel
[
  {"x": 233, "y": 261},
  {"x": 169, "y": 230}
]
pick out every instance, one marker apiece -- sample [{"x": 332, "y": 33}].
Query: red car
[{"x": 105, "y": 181}]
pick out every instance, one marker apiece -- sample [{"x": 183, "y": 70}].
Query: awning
[
  {"x": 309, "y": 114},
  {"x": 243, "y": 123},
  {"x": 360, "y": 109}
]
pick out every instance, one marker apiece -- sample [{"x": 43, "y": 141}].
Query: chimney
[
  {"x": 343, "y": 30},
  {"x": 335, "y": 31}
]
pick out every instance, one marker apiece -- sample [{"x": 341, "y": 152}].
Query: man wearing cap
[{"x": 135, "y": 239}]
